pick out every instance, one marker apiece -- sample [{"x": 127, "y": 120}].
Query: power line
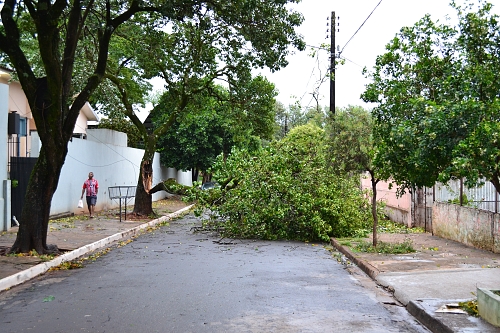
[
  {"x": 318, "y": 47},
  {"x": 309, "y": 80},
  {"x": 342, "y": 57},
  {"x": 360, "y": 27}
]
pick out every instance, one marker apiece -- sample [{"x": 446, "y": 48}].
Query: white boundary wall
[
  {"x": 112, "y": 165},
  {"x": 4, "y": 182}
]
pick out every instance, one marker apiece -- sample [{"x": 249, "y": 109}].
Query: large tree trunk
[
  {"x": 143, "y": 198},
  {"x": 33, "y": 225}
]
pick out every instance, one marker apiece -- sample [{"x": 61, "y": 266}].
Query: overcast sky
[{"x": 298, "y": 79}]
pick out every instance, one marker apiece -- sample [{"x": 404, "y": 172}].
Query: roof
[
  {"x": 89, "y": 112},
  {"x": 5, "y": 73}
]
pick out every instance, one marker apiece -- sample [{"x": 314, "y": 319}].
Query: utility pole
[{"x": 332, "y": 63}]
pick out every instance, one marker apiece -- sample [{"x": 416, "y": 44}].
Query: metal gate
[
  {"x": 422, "y": 201},
  {"x": 20, "y": 172}
]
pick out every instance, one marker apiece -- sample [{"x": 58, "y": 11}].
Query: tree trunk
[
  {"x": 496, "y": 181},
  {"x": 34, "y": 221},
  {"x": 143, "y": 199},
  {"x": 374, "y": 209},
  {"x": 194, "y": 174},
  {"x": 207, "y": 177}
]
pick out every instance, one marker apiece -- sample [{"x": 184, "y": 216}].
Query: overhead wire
[
  {"x": 312, "y": 72},
  {"x": 115, "y": 151},
  {"x": 360, "y": 27},
  {"x": 307, "y": 85},
  {"x": 342, "y": 57}
]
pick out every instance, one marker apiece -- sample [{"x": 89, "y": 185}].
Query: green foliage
[
  {"x": 352, "y": 148},
  {"x": 284, "y": 192},
  {"x": 294, "y": 115},
  {"x": 385, "y": 226},
  {"x": 390, "y": 227},
  {"x": 14, "y": 183},
  {"x": 214, "y": 121},
  {"x": 438, "y": 106},
  {"x": 386, "y": 248},
  {"x": 457, "y": 201},
  {"x": 350, "y": 140},
  {"x": 172, "y": 186},
  {"x": 470, "y": 307},
  {"x": 196, "y": 137}
]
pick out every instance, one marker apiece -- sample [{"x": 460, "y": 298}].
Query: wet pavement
[
  {"x": 440, "y": 272},
  {"x": 179, "y": 278}
]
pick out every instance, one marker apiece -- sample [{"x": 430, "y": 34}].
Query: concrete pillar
[
  {"x": 7, "y": 203},
  {"x": 36, "y": 145},
  {"x": 4, "y": 201}
]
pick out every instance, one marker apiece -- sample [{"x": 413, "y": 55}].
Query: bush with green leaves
[{"x": 284, "y": 192}]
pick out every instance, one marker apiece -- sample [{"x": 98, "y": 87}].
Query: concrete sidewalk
[{"x": 440, "y": 272}]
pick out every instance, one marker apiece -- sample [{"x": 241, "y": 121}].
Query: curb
[
  {"x": 433, "y": 324},
  {"x": 39, "y": 269},
  {"x": 364, "y": 265}
]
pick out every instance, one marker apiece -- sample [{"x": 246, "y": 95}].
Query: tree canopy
[
  {"x": 351, "y": 149},
  {"x": 189, "y": 57},
  {"x": 61, "y": 52},
  {"x": 215, "y": 121},
  {"x": 436, "y": 89}
]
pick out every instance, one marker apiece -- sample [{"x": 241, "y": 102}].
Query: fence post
[
  {"x": 461, "y": 191},
  {"x": 496, "y": 201}
]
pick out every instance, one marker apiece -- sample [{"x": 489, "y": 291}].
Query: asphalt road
[{"x": 175, "y": 280}]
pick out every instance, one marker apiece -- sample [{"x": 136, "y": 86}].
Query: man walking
[{"x": 92, "y": 187}]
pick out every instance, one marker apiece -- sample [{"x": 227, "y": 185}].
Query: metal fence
[{"x": 481, "y": 197}]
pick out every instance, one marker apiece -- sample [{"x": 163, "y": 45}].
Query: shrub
[{"x": 284, "y": 192}]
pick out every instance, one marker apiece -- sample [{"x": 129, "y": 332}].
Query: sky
[{"x": 298, "y": 79}]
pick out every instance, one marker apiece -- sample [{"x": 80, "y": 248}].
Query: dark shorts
[{"x": 91, "y": 201}]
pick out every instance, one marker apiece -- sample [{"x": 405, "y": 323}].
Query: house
[
  {"x": 19, "y": 135},
  {"x": 21, "y": 122}
]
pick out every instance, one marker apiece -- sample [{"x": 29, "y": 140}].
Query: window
[{"x": 23, "y": 127}]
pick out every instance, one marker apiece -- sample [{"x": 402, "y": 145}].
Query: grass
[
  {"x": 350, "y": 242},
  {"x": 359, "y": 243},
  {"x": 385, "y": 248}
]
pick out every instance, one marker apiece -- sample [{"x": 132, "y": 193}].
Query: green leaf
[{"x": 49, "y": 298}]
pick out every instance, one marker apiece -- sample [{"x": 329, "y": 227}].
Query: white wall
[
  {"x": 4, "y": 182},
  {"x": 104, "y": 135},
  {"x": 112, "y": 166}
]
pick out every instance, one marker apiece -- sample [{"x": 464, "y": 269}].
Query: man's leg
[
  {"x": 89, "y": 206},
  {"x": 92, "y": 205}
]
